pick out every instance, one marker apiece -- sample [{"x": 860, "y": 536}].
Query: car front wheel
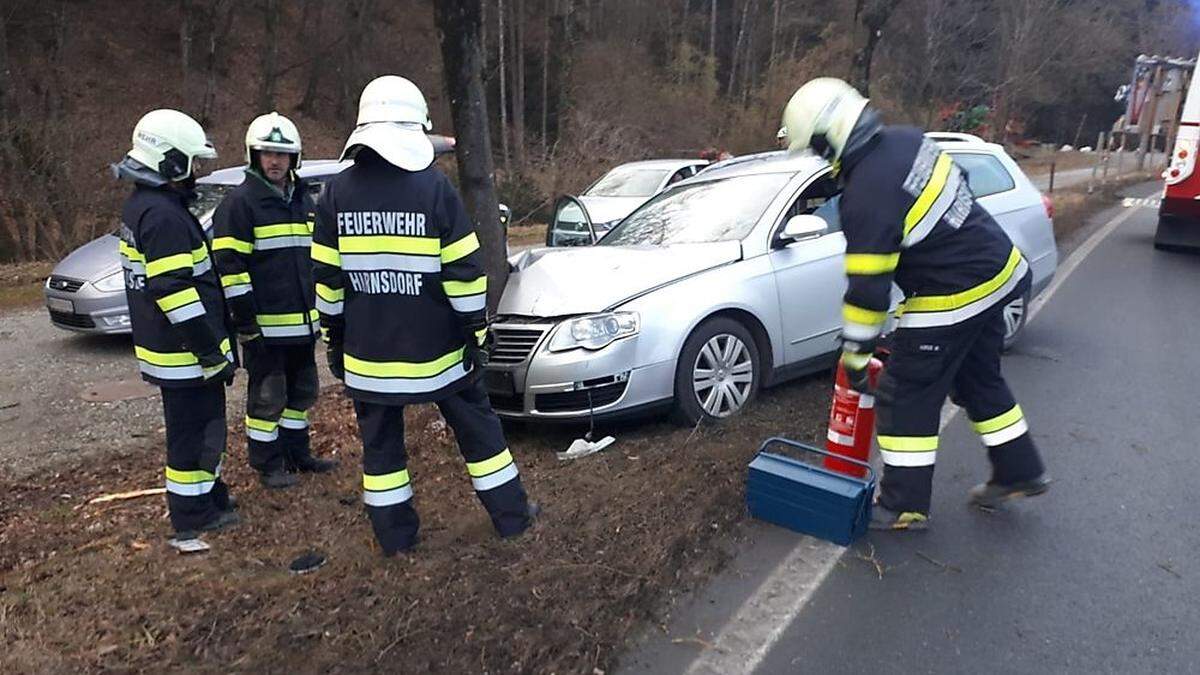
[{"x": 717, "y": 373}]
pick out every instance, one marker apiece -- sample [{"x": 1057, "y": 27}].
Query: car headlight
[
  {"x": 111, "y": 283},
  {"x": 595, "y": 331}
]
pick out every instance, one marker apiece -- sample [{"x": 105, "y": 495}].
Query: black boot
[
  {"x": 310, "y": 464},
  {"x": 278, "y": 479}
]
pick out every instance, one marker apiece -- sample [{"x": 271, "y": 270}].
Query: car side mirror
[{"x": 803, "y": 226}]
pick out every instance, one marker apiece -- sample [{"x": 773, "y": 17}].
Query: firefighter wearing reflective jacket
[
  {"x": 909, "y": 217},
  {"x": 261, "y": 236},
  {"x": 401, "y": 290},
  {"x": 180, "y": 337}
]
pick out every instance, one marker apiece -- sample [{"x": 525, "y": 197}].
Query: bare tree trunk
[
  {"x": 712, "y": 30},
  {"x": 458, "y": 31},
  {"x": 316, "y": 66},
  {"x": 6, "y": 96},
  {"x": 220, "y": 22},
  {"x": 271, "y": 16},
  {"x": 501, "y": 38},
  {"x": 870, "y": 16},
  {"x": 737, "y": 48},
  {"x": 774, "y": 34},
  {"x": 546, "y": 74},
  {"x": 185, "y": 46},
  {"x": 519, "y": 103}
]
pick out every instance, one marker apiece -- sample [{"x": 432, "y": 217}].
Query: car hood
[
  {"x": 607, "y": 209},
  {"x": 564, "y": 281},
  {"x": 95, "y": 259}
]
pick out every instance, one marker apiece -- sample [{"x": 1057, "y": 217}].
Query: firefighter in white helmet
[
  {"x": 261, "y": 236},
  {"x": 178, "y": 314},
  {"x": 909, "y": 217},
  {"x": 402, "y": 294}
]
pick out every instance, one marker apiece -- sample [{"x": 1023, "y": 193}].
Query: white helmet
[
  {"x": 274, "y": 133},
  {"x": 392, "y": 120},
  {"x": 821, "y": 115},
  {"x": 168, "y": 141}
]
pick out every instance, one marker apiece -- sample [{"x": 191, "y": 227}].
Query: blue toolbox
[{"x": 807, "y": 498}]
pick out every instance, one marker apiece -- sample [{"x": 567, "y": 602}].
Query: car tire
[
  {"x": 718, "y": 372},
  {"x": 1016, "y": 314}
]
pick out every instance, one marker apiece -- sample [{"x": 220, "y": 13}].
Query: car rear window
[{"x": 985, "y": 174}]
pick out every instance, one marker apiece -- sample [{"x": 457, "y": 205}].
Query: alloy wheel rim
[
  {"x": 722, "y": 375},
  {"x": 1014, "y": 313}
]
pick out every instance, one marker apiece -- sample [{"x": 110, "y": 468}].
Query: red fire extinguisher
[{"x": 851, "y": 422}]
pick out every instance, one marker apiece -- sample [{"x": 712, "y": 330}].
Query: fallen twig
[
  {"x": 121, "y": 496},
  {"x": 6, "y": 406},
  {"x": 870, "y": 558},
  {"x": 945, "y": 566},
  {"x": 696, "y": 641},
  {"x": 1169, "y": 570}
]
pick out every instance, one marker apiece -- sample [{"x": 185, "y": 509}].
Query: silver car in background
[
  {"x": 582, "y": 220},
  {"x": 721, "y": 285}
]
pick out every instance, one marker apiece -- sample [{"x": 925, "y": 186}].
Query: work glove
[
  {"x": 216, "y": 368},
  {"x": 252, "y": 346},
  {"x": 336, "y": 360},
  {"x": 478, "y": 350},
  {"x": 857, "y": 373}
]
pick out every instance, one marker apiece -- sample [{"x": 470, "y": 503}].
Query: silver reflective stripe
[
  {"x": 935, "y": 213},
  {"x": 861, "y": 331},
  {"x": 265, "y": 437},
  {"x": 388, "y": 497},
  {"x": 359, "y": 262},
  {"x": 951, "y": 317},
  {"x": 171, "y": 372},
  {"x": 188, "y": 311},
  {"x": 137, "y": 268},
  {"x": 287, "y": 331},
  {"x": 325, "y": 307},
  {"x": 190, "y": 489},
  {"x": 422, "y": 385},
  {"x": 1009, "y": 433},
  {"x": 292, "y": 424},
  {"x": 289, "y": 241},
  {"x": 922, "y": 168},
  {"x": 201, "y": 267},
  {"x": 469, "y": 303},
  {"x": 496, "y": 478},
  {"x": 908, "y": 458},
  {"x": 237, "y": 289}
]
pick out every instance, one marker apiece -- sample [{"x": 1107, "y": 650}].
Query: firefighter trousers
[
  {"x": 387, "y": 492},
  {"x": 283, "y": 386},
  {"x": 195, "y": 424},
  {"x": 926, "y": 365}
]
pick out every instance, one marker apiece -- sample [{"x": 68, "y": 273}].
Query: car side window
[
  {"x": 685, "y": 172},
  {"x": 820, "y": 199},
  {"x": 985, "y": 174}
]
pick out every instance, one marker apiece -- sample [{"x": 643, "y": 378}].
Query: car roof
[
  {"x": 775, "y": 161},
  {"x": 952, "y": 141}
]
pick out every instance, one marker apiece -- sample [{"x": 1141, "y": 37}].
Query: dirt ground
[{"x": 89, "y": 588}]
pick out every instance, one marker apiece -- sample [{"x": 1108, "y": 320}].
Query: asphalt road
[{"x": 1101, "y": 575}]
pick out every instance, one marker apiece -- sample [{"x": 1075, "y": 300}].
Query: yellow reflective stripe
[
  {"x": 233, "y": 244},
  {"x": 870, "y": 317},
  {"x": 402, "y": 368},
  {"x": 291, "y": 414},
  {"x": 170, "y": 263},
  {"x": 999, "y": 422},
  {"x": 389, "y": 243},
  {"x": 190, "y": 477},
  {"x": 458, "y": 288},
  {"x": 172, "y": 358},
  {"x": 855, "y": 361},
  {"x": 199, "y": 254},
  {"x": 178, "y": 299},
  {"x": 324, "y": 254},
  {"x": 261, "y": 425},
  {"x": 490, "y": 465},
  {"x": 908, "y": 443},
  {"x": 871, "y": 263},
  {"x": 294, "y": 319},
  {"x": 943, "y": 303},
  {"x": 387, "y": 481},
  {"x": 228, "y": 280},
  {"x": 460, "y": 249},
  {"x": 330, "y": 294},
  {"x": 131, "y": 252},
  {"x": 937, "y": 181},
  {"x": 282, "y": 230},
  {"x": 480, "y": 335}
]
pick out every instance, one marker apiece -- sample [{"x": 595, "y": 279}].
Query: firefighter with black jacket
[
  {"x": 401, "y": 290},
  {"x": 261, "y": 236},
  {"x": 909, "y": 217},
  {"x": 177, "y": 313}
]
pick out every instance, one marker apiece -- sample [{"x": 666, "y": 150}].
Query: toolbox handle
[{"x": 776, "y": 439}]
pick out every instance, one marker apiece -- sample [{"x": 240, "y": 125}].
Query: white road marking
[
  {"x": 1141, "y": 202},
  {"x": 748, "y": 636}
]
